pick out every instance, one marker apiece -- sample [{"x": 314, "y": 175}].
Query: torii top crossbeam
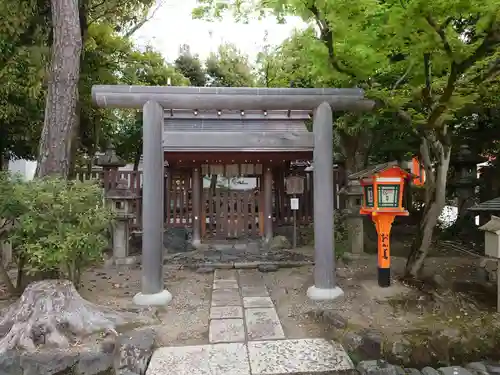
[{"x": 241, "y": 98}]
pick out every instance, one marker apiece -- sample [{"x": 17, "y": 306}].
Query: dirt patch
[
  {"x": 452, "y": 322},
  {"x": 183, "y": 322}
]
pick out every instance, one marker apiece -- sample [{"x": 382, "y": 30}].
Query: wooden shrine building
[
  {"x": 256, "y": 145},
  {"x": 232, "y": 132}
]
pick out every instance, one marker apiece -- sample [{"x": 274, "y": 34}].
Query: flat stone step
[
  {"x": 298, "y": 356},
  {"x": 279, "y": 357}
]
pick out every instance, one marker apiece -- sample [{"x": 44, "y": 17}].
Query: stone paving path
[{"x": 246, "y": 338}]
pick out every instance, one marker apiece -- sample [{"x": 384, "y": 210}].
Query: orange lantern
[{"x": 383, "y": 188}]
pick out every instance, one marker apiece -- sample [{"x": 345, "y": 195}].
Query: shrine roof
[
  {"x": 224, "y": 130},
  {"x": 492, "y": 226},
  {"x": 491, "y": 205},
  {"x": 370, "y": 171}
]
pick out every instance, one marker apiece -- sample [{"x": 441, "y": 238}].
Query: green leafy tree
[
  {"x": 23, "y": 52},
  {"x": 105, "y": 56},
  {"x": 142, "y": 68},
  {"x": 54, "y": 225},
  {"x": 420, "y": 60},
  {"x": 190, "y": 66},
  {"x": 228, "y": 67}
]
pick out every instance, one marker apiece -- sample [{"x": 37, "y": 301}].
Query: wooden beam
[{"x": 235, "y": 141}]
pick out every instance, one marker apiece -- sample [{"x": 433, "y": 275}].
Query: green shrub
[{"x": 60, "y": 226}]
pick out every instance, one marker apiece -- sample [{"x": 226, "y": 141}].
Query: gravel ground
[
  {"x": 364, "y": 304},
  {"x": 183, "y": 322}
]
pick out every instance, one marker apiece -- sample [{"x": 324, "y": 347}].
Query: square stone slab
[
  {"x": 297, "y": 356},
  {"x": 263, "y": 324},
  {"x": 254, "y": 291},
  {"x": 251, "y": 278},
  {"x": 225, "y": 284},
  {"x": 225, "y": 312},
  {"x": 226, "y": 330},
  {"x": 219, "y": 359},
  {"x": 225, "y": 274},
  {"x": 249, "y": 302},
  {"x": 226, "y": 297}
]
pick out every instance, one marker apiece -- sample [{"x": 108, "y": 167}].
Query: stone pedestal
[{"x": 120, "y": 239}]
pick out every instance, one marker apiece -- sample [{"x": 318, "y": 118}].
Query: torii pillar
[
  {"x": 325, "y": 286},
  {"x": 153, "y": 292}
]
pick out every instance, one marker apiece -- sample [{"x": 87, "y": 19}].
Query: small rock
[
  {"x": 492, "y": 367},
  {"x": 352, "y": 341},
  {"x": 136, "y": 349},
  {"x": 341, "y": 272},
  {"x": 268, "y": 267},
  {"x": 94, "y": 362},
  {"x": 454, "y": 370},
  {"x": 279, "y": 243},
  {"x": 48, "y": 362},
  {"x": 205, "y": 269},
  {"x": 477, "y": 368},
  {"x": 429, "y": 371},
  {"x": 412, "y": 371},
  {"x": 371, "y": 347},
  {"x": 10, "y": 363},
  {"x": 489, "y": 264},
  {"x": 334, "y": 319},
  {"x": 401, "y": 349},
  {"x": 376, "y": 368},
  {"x": 347, "y": 257}
]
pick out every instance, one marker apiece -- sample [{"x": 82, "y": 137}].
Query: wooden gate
[{"x": 231, "y": 214}]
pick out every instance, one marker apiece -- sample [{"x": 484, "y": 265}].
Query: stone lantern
[
  {"x": 465, "y": 180},
  {"x": 121, "y": 199},
  {"x": 353, "y": 195},
  {"x": 110, "y": 162}
]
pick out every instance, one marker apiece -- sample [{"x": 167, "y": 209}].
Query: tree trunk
[
  {"x": 435, "y": 200},
  {"x": 355, "y": 148},
  {"x": 51, "y": 314},
  {"x": 62, "y": 97}
]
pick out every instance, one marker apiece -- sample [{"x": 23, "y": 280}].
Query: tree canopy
[
  {"x": 431, "y": 67},
  {"x": 422, "y": 61}
]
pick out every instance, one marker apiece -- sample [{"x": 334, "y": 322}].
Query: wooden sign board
[{"x": 294, "y": 185}]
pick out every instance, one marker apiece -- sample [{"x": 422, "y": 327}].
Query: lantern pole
[{"x": 383, "y": 224}]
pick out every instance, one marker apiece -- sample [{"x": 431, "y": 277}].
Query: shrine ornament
[{"x": 383, "y": 201}]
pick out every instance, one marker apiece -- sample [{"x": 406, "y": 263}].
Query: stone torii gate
[{"x": 153, "y": 101}]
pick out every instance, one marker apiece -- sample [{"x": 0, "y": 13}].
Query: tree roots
[{"x": 52, "y": 313}]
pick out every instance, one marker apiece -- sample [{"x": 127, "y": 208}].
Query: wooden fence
[{"x": 229, "y": 213}]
